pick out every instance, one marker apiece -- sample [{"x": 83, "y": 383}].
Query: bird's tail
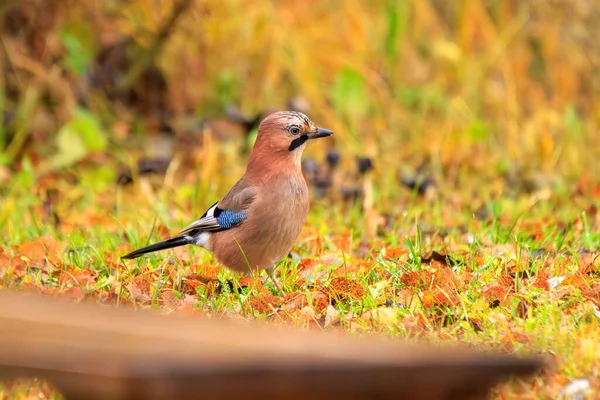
[{"x": 166, "y": 244}]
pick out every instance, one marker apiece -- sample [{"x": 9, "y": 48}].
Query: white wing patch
[{"x": 207, "y": 222}]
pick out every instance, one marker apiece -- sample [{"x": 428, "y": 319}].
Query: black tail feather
[{"x": 167, "y": 244}]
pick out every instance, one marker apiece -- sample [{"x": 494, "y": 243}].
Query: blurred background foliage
[{"x": 464, "y": 93}]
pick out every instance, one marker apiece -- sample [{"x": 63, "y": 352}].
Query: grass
[
  {"x": 438, "y": 274},
  {"x": 494, "y": 101}
]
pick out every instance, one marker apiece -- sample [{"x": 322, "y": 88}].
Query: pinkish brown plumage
[{"x": 256, "y": 224}]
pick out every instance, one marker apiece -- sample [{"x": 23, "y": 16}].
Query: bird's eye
[{"x": 294, "y": 130}]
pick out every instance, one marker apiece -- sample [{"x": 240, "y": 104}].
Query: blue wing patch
[
  {"x": 228, "y": 219},
  {"x": 214, "y": 220}
]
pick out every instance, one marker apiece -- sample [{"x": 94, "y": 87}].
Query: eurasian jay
[{"x": 256, "y": 224}]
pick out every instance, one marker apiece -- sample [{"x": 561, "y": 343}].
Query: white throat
[{"x": 297, "y": 155}]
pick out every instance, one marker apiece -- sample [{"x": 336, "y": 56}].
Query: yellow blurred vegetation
[{"x": 466, "y": 84}]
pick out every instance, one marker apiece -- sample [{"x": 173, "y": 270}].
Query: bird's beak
[{"x": 319, "y": 133}]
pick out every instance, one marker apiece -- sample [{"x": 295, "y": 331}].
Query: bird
[{"x": 255, "y": 225}]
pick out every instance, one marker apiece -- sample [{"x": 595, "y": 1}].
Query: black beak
[{"x": 320, "y": 132}]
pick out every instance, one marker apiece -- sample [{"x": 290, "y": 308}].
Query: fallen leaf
[{"x": 332, "y": 316}]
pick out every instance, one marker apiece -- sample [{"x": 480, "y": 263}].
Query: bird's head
[{"x": 286, "y": 133}]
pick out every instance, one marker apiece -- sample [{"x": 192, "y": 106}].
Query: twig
[
  {"x": 9, "y": 61},
  {"x": 148, "y": 57}
]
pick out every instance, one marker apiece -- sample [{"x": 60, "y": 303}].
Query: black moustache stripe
[{"x": 299, "y": 141}]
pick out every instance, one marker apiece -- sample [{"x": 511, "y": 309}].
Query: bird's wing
[{"x": 231, "y": 211}]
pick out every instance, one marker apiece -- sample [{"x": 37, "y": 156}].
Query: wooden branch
[{"x": 99, "y": 352}]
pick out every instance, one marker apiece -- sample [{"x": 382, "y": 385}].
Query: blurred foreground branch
[{"x": 91, "y": 351}]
